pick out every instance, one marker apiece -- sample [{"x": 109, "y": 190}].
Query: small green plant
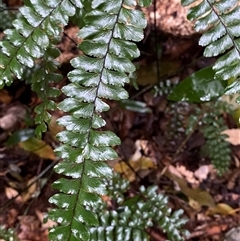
[
  {"x": 210, "y": 122},
  {"x": 7, "y": 16},
  {"x": 130, "y": 217},
  {"x": 207, "y": 118},
  {"x": 164, "y": 88},
  {"x": 7, "y": 234},
  {"x": 219, "y": 22}
]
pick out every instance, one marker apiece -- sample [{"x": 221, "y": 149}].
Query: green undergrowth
[
  {"x": 132, "y": 218},
  {"x": 7, "y": 234},
  {"x": 209, "y": 120}
]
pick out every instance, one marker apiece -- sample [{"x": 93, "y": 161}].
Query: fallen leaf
[
  {"x": 123, "y": 168},
  {"x": 142, "y": 163},
  {"x": 202, "y": 172},
  {"x": 38, "y": 147},
  {"x": 188, "y": 175},
  {"x": 12, "y": 117},
  {"x": 202, "y": 197},
  {"x": 54, "y": 128},
  {"x": 130, "y": 170},
  {"x": 30, "y": 191},
  {"x": 194, "y": 204},
  {"x": 46, "y": 224},
  {"x": 140, "y": 145},
  {"x": 5, "y": 97},
  {"x": 233, "y": 136},
  {"x": 10, "y": 192},
  {"x": 221, "y": 208},
  {"x": 138, "y": 162}
]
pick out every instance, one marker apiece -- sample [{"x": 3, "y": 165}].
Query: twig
[
  {"x": 189, "y": 135},
  {"x": 156, "y": 39},
  {"x": 6, "y": 204},
  {"x": 71, "y": 39}
]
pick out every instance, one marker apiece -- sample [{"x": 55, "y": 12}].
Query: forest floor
[{"x": 155, "y": 148}]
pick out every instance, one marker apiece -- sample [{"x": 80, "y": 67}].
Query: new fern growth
[
  {"x": 131, "y": 217},
  {"x": 31, "y": 39},
  {"x": 211, "y": 124}
]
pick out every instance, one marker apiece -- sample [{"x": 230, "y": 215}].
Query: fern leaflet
[
  {"x": 100, "y": 74},
  {"x": 32, "y": 39},
  {"x": 220, "y": 21}
]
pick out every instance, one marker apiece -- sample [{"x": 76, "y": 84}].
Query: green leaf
[
  {"x": 94, "y": 49},
  {"x": 85, "y": 78},
  {"x": 199, "y": 87},
  {"x": 75, "y": 124},
  {"x": 24, "y": 58},
  {"x": 14, "y": 37},
  {"x": 23, "y": 27},
  {"x": 87, "y": 63},
  {"x": 220, "y": 22},
  {"x": 144, "y": 3},
  {"x": 130, "y": 2},
  {"x": 119, "y": 64},
  {"x": 41, "y": 8},
  {"x": 101, "y": 153},
  {"x": 93, "y": 32},
  {"x": 128, "y": 32},
  {"x": 106, "y": 138},
  {"x": 31, "y": 16},
  {"x": 73, "y": 139},
  {"x": 111, "y": 7},
  {"x": 136, "y": 106},
  {"x": 68, "y": 8},
  {"x": 114, "y": 77},
  {"x": 135, "y": 17},
  {"x": 100, "y": 19},
  {"x": 80, "y": 93},
  {"x": 112, "y": 92},
  {"x": 233, "y": 88},
  {"x": 124, "y": 48},
  {"x": 199, "y": 10}
]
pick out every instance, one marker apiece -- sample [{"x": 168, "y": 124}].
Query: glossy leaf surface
[
  {"x": 199, "y": 87},
  {"x": 221, "y": 25},
  {"x": 99, "y": 74}
]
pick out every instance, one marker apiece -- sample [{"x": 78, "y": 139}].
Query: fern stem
[{"x": 225, "y": 26}]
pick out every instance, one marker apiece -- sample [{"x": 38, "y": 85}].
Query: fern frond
[
  {"x": 41, "y": 80},
  {"x": 157, "y": 211},
  {"x": 210, "y": 122},
  {"x": 221, "y": 23},
  {"x": 39, "y": 23},
  {"x": 6, "y": 16},
  {"x": 121, "y": 225},
  {"x": 32, "y": 38},
  {"x": 216, "y": 146},
  {"x": 100, "y": 74},
  {"x": 132, "y": 217}
]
